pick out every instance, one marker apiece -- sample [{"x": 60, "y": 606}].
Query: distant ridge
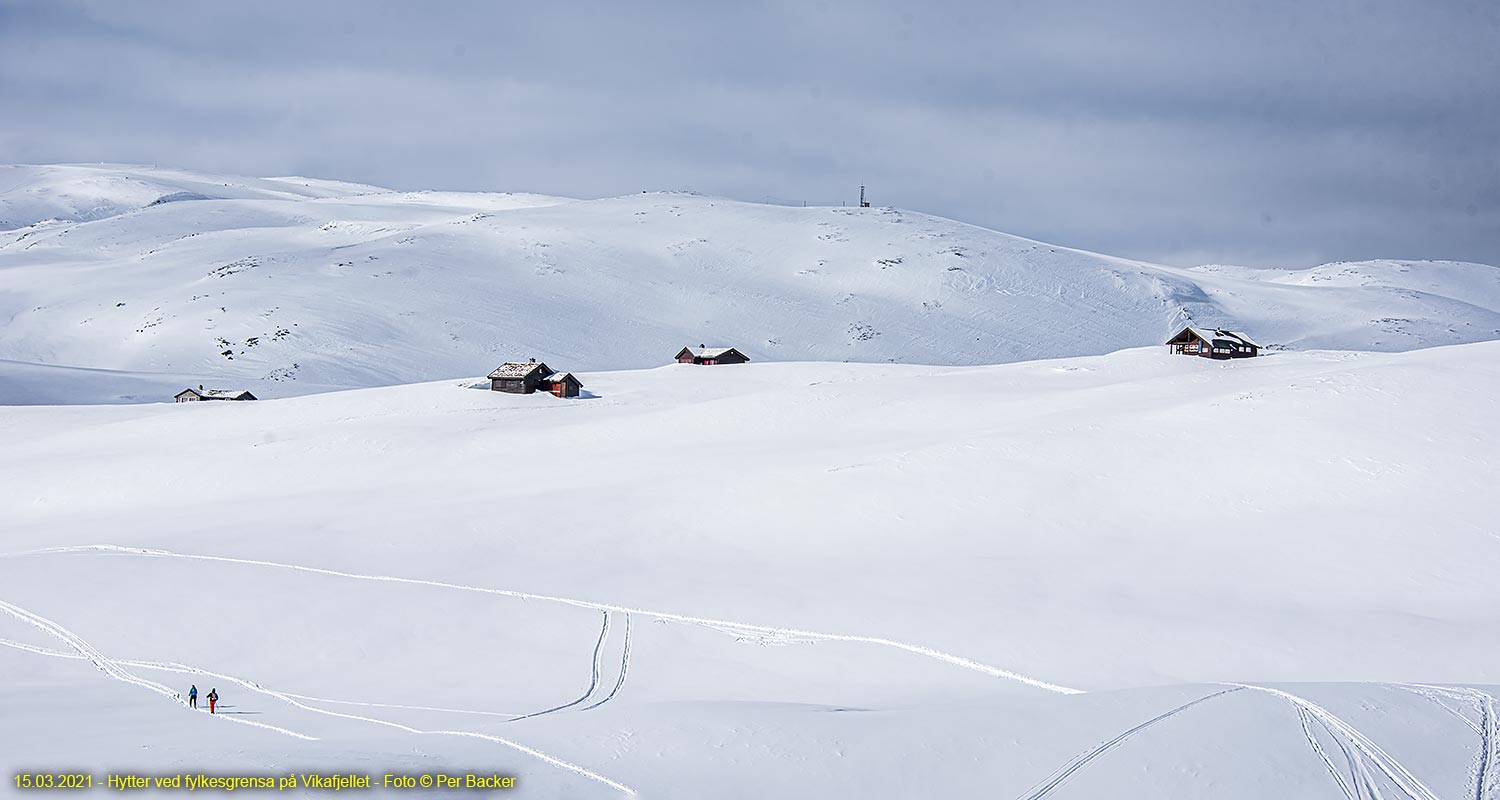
[{"x": 336, "y": 284}]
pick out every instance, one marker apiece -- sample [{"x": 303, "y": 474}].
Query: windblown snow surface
[{"x": 1128, "y": 575}]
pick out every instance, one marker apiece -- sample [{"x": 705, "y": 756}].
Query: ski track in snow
[
  {"x": 1489, "y": 741},
  {"x": 113, "y": 669},
  {"x": 1438, "y": 694},
  {"x": 1345, "y": 735},
  {"x": 506, "y": 714},
  {"x": 45, "y": 651},
  {"x": 593, "y": 676},
  {"x": 1312, "y": 740},
  {"x": 1361, "y": 784},
  {"x": 1488, "y": 730},
  {"x": 1392, "y": 769},
  {"x": 624, "y": 669},
  {"x": 1488, "y": 744},
  {"x": 763, "y": 630},
  {"x": 1083, "y": 759},
  {"x": 255, "y": 687}
]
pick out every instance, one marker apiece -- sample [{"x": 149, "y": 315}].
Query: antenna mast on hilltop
[{"x": 863, "y": 203}]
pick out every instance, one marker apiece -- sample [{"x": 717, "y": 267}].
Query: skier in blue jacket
[{"x": 193, "y": 696}]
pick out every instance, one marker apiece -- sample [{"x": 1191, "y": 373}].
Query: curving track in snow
[
  {"x": 1087, "y": 757},
  {"x": 1368, "y": 764},
  {"x": 1488, "y": 729},
  {"x": 762, "y": 630},
  {"x": 598, "y": 667},
  {"x": 1389, "y": 767},
  {"x": 1317, "y": 747},
  {"x": 114, "y": 669},
  {"x": 624, "y": 669},
  {"x": 47, "y": 651}
]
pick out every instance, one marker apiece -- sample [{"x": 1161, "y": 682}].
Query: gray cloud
[{"x": 1274, "y": 132}]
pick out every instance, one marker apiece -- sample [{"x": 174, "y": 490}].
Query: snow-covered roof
[
  {"x": 518, "y": 369},
  {"x": 1242, "y": 337},
  {"x": 559, "y": 377},
  {"x": 709, "y": 352},
  {"x": 1211, "y": 334},
  {"x": 218, "y": 394}
]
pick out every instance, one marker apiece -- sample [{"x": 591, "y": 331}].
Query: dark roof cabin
[
  {"x": 519, "y": 377},
  {"x": 525, "y": 377},
  {"x": 711, "y": 355},
  {"x": 1212, "y": 343},
  {"x": 200, "y": 393}
]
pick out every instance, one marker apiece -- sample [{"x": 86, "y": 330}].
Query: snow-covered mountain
[
  {"x": 1271, "y": 578},
  {"x": 85, "y": 192},
  {"x": 309, "y": 284}
]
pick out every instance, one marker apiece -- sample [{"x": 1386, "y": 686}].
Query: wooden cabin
[
  {"x": 200, "y": 393},
  {"x": 711, "y": 355},
  {"x": 562, "y": 384},
  {"x": 519, "y": 377},
  {"x": 1212, "y": 343}
]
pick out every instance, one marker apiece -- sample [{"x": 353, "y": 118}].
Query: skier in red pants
[{"x": 213, "y": 699}]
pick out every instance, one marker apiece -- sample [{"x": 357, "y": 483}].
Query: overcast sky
[{"x": 1276, "y": 132}]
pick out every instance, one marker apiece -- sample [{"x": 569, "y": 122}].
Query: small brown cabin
[
  {"x": 525, "y": 377},
  {"x": 562, "y": 384},
  {"x": 711, "y": 355},
  {"x": 200, "y": 393},
  {"x": 1212, "y": 343}
]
